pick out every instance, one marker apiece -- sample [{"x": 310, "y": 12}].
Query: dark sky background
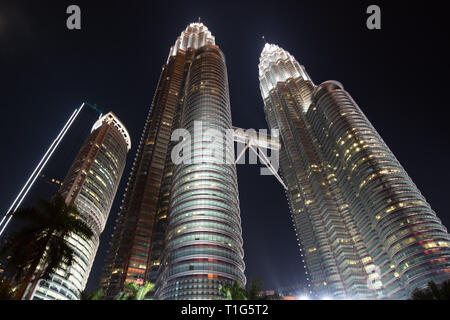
[{"x": 398, "y": 76}]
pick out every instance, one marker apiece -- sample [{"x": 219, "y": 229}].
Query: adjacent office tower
[
  {"x": 364, "y": 229},
  {"x": 179, "y": 225},
  {"x": 91, "y": 185}
]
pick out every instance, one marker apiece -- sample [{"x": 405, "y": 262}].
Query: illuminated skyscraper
[
  {"x": 364, "y": 229},
  {"x": 91, "y": 186},
  {"x": 192, "y": 87},
  {"x": 140, "y": 228}
]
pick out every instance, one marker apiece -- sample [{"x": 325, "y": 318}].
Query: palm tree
[
  {"x": 234, "y": 292},
  {"x": 41, "y": 247},
  {"x": 96, "y": 295},
  {"x": 135, "y": 292},
  {"x": 433, "y": 292},
  {"x": 6, "y": 289}
]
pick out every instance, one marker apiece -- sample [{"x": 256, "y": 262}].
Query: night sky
[{"x": 397, "y": 75}]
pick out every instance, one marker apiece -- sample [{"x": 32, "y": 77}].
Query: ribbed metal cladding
[
  {"x": 158, "y": 238},
  {"x": 364, "y": 229},
  {"x": 405, "y": 238},
  {"x": 203, "y": 241},
  {"x": 134, "y": 253},
  {"x": 321, "y": 218}
]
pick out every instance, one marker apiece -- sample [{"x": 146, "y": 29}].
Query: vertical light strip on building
[
  {"x": 90, "y": 185},
  {"x": 38, "y": 169}
]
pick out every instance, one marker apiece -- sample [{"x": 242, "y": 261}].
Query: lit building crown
[
  {"x": 195, "y": 36},
  {"x": 277, "y": 65},
  {"x": 111, "y": 118}
]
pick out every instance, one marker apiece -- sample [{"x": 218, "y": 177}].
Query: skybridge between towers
[
  {"x": 41, "y": 165},
  {"x": 256, "y": 141}
]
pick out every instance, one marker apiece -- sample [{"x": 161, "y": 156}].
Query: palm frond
[
  {"x": 79, "y": 227},
  {"x": 42, "y": 243},
  {"x": 97, "y": 294},
  {"x": 31, "y": 215},
  {"x": 132, "y": 286},
  {"x": 6, "y": 289},
  {"x": 123, "y": 296},
  {"x": 59, "y": 254}
]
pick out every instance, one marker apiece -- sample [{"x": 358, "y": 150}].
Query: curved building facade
[
  {"x": 203, "y": 241},
  {"x": 183, "y": 235},
  {"x": 91, "y": 185},
  {"x": 404, "y": 238},
  {"x": 363, "y": 228},
  {"x": 138, "y": 239},
  {"x": 322, "y": 220}
]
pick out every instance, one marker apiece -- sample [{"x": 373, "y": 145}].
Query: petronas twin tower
[{"x": 364, "y": 229}]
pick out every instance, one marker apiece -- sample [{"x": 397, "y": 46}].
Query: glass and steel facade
[
  {"x": 90, "y": 185},
  {"x": 363, "y": 228},
  {"x": 203, "y": 241},
  {"x": 140, "y": 238},
  {"x": 404, "y": 238}
]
